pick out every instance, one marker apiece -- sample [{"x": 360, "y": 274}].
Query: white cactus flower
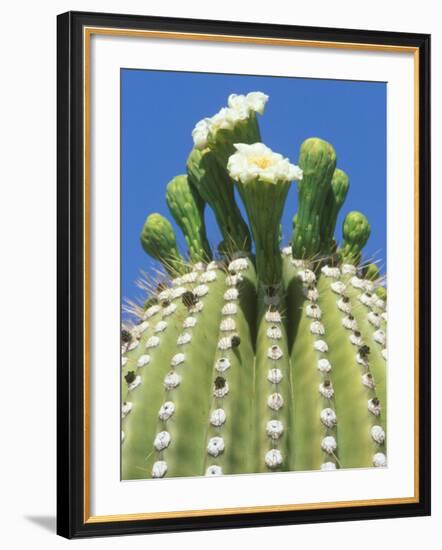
[
  {"x": 316, "y": 327},
  {"x": 123, "y": 361},
  {"x": 240, "y": 264},
  {"x": 227, "y": 324},
  {"x": 274, "y": 332},
  {"x": 143, "y": 360},
  {"x": 321, "y": 346},
  {"x": 177, "y": 359},
  {"x": 253, "y": 101},
  {"x": 328, "y": 417},
  {"x": 357, "y": 282},
  {"x": 126, "y": 407},
  {"x": 233, "y": 280},
  {"x": 311, "y": 293},
  {"x": 287, "y": 251},
  {"x": 134, "y": 384},
  {"x": 162, "y": 440},
  {"x": 257, "y": 161},
  {"x": 378, "y": 434},
  {"x": 366, "y": 299},
  {"x": 190, "y": 277},
  {"x": 374, "y": 319},
  {"x": 275, "y": 401},
  {"x": 196, "y": 308},
  {"x": 273, "y": 316},
  {"x": 160, "y": 326},
  {"x": 151, "y": 311},
  {"x": 274, "y": 352},
  {"x": 184, "y": 338},
  {"x": 344, "y": 305},
  {"x": 328, "y": 444},
  {"x": 324, "y": 365},
  {"x": 189, "y": 322},
  {"x": 326, "y": 390},
  {"x": 379, "y": 337},
  {"x": 367, "y": 381},
  {"x": 201, "y": 290},
  {"x": 333, "y": 272},
  {"x": 166, "y": 410},
  {"x": 384, "y": 353},
  {"x": 338, "y": 287},
  {"x": 355, "y": 339},
  {"x": 379, "y": 460},
  {"x": 328, "y": 466},
  {"x": 349, "y": 322},
  {"x": 231, "y": 294},
  {"x": 274, "y": 376},
  {"x": 133, "y": 345},
  {"x": 221, "y": 392},
  {"x": 177, "y": 292},
  {"x": 374, "y": 406},
  {"x": 307, "y": 276},
  {"x": 218, "y": 417},
  {"x": 313, "y": 311},
  {"x": 214, "y": 470},
  {"x": 225, "y": 343},
  {"x": 172, "y": 380},
  {"x": 208, "y": 277},
  {"x": 222, "y": 364},
  {"x": 348, "y": 269},
  {"x": 215, "y": 446},
  {"x": 168, "y": 310},
  {"x": 229, "y": 309},
  {"x": 159, "y": 469},
  {"x": 273, "y": 458},
  {"x": 274, "y": 429}
]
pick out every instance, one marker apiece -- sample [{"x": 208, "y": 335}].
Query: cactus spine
[{"x": 272, "y": 361}]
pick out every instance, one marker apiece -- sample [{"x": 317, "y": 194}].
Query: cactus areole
[{"x": 254, "y": 355}]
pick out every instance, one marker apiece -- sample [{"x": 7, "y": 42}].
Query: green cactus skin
[
  {"x": 334, "y": 200},
  {"x": 237, "y": 431},
  {"x": 317, "y": 159},
  {"x": 257, "y": 195},
  {"x": 159, "y": 241},
  {"x": 356, "y": 231},
  {"x": 187, "y": 209},
  {"x": 215, "y": 187}
]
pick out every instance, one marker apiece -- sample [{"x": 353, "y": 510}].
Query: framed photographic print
[{"x": 239, "y": 205}]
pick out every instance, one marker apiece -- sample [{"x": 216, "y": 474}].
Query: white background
[{"x": 27, "y": 221}]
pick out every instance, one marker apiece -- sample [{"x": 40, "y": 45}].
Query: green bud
[
  {"x": 158, "y": 240},
  {"x": 335, "y": 199},
  {"x": 356, "y": 231},
  {"x": 371, "y": 272},
  {"x": 381, "y": 292},
  {"x": 187, "y": 209}
]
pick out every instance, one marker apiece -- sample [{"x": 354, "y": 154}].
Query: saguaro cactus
[{"x": 256, "y": 362}]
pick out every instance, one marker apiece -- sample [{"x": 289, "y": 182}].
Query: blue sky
[{"x": 160, "y": 108}]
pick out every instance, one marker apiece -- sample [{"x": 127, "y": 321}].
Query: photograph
[{"x": 253, "y": 274}]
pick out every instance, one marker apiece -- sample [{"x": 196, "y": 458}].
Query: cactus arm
[
  {"x": 272, "y": 417},
  {"x": 237, "y": 404},
  {"x": 159, "y": 241},
  {"x": 187, "y": 427},
  {"x": 356, "y": 231},
  {"x": 356, "y": 446},
  {"x": 215, "y": 187},
  {"x": 334, "y": 200},
  {"x": 317, "y": 159},
  {"x": 187, "y": 209}
]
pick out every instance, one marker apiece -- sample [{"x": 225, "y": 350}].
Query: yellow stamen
[{"x": 262, "y": 162}]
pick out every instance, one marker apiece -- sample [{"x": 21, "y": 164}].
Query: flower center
[{"x": 261, "y": 162}]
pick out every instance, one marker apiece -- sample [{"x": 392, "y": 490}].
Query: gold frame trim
[{"x": 88, "y": 32}]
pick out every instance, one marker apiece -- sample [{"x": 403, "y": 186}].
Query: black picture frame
[{"x": 71, "y": 520}]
